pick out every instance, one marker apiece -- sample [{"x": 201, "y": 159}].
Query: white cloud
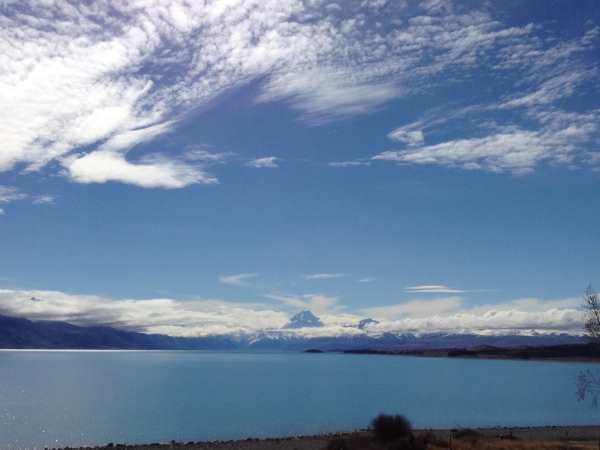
[
  {"x": 415, "y": 308},
  {"x": 366, "y": 280},
  {"x": 433, "y": 289},
  {"x": 88, "y": 78},
  {"x": 157, "y": 171},
  {"x": 161, "y": 315},
  {"x": 591, "y": 36},
  {"x": 437, "y": 6},
  {"x": 125, "y": 140},
  {"x": 317, "y": 303},
  {"x": 201, "y": 317},
  {"x": 1, "y": 212},
  {"x": 452, "y": 315},
  {"x": 77, "y": 77},
  {"x": 323, "y": 95},
  {"x": 270, "y": 162},
  {"x": 201, "y": 154},
  {"x": 559, "y": 140},
  {"x": 323, "y": 276},
  {"x": 240, "y": 279},
  {"x": 109, "y": 163},
  {"x": 527, "y": 128},
  {"x": 409, "y": 137},
  {"x": 44, "y": 199},
  {"x": 10, "y": 194},
  {"x": 555, "y": 87},
  {"x": 344, "y": 164}
]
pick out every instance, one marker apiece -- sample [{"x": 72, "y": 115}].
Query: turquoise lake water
[{"x": 54, "y": 398}]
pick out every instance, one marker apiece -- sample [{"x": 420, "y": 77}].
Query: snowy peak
[
  {"x": 365, "y": 323},
  {"x": 304, "y": 319}
]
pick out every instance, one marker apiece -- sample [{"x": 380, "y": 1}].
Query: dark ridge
[
  {"x": 584, "y": 352},
  {"x": 20, "y": 333}
]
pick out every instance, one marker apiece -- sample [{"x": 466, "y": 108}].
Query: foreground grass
[{"x": 467, "y": 443}]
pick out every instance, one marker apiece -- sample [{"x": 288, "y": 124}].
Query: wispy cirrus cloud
[
  {"x": 87, "y": 86},
  {"x": 10, "y": 194},
  {"x": 324, "y": 95},
  {"x": 323, "y": 276},
  {"x": 538, "y": 129},
  {"x": 407, "y": 136},
  {"x": 345, "y": 164},
  {"x": 200, "y": 153},
  {"x": 433, "y": 289},
  {"x": 562, "y": 85},
  {"x": 268, "y": 162},
  {"x": 240, "y": 279},
  {"x": 561, "y": 139},
  {"x": 44, "y": 199}
]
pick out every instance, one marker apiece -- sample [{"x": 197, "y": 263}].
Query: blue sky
[{"x": 351, "y": 158}]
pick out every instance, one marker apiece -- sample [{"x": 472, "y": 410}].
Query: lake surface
[{"x": 56, "y": 398}]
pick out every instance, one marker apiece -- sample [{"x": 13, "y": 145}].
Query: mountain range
[{"x": 20, "y": 333}]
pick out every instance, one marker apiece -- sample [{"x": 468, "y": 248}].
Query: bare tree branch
[
  {"x": 592, "y": 314},
  {"x": 588, "y": 382}
]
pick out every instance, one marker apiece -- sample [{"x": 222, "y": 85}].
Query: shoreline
[
  {"x": 482, "y": 358},
  {"x": 548, "y": 433},
  {"x": 556, "y": 353}
]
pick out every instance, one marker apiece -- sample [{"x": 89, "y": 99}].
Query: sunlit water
[{"x": 52, "y": 398}]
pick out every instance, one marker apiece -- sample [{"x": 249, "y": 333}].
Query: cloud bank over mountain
[{"x": 205, "y": 317}]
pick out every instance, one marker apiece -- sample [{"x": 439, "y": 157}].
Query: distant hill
[{"x": 26, "y": 334}]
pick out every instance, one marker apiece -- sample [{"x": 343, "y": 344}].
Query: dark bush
[
  {"x": 392, "y": 428},
  {"x": 404, "y": 443}
]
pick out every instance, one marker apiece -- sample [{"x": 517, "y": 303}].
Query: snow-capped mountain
[
  {"x": 305, "y": 330},
  {"x": 365, "y": 323},
  {"x": 304, "y": 319}
]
